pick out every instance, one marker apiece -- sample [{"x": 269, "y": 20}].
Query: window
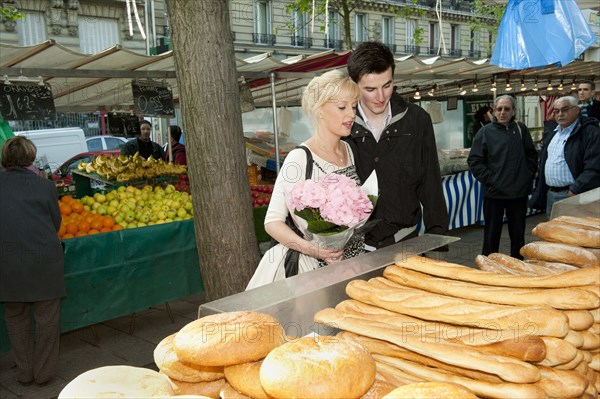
[
  {"x": 411, "y": 26},
  {"x": 362, "y": 34},
  {"x": 332, "y": 28},
  {"x": 31, "y": 29},
  {"x": 454, "y": 37},
  {"x": 387, "y": 27},
  {"x": 434, "y": 37},
  {"x": 474, "y": 49},
  {"x": 262, "y": 24},
  {"x": 94, "y": 144},
  {"x": 97, "y": 34},
  {"x": 113, "y": 143},
  {"x": 300, "y": 34}
]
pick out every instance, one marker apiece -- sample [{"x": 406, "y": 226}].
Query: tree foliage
[
  {"x": 486, "y": 18},
  {"x": 10, "y": 13}
]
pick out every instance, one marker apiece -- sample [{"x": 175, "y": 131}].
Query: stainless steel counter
[{"x": 295, "y": 300}]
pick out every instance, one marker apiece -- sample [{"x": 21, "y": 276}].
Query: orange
[
  {"x": 108, "y": 221},
  {"x": 105, "y": 229},
  {"x": 96, "y": 224},
  {"x": 72, "y": 228},
  {"x": 77, "y": 206},
  {"x": 84, "y": 213},
  {"x": 80, "y": 234},
  {"x": 68, "y": 235},
  {"x": 67, "y": 198},
  {"x": 84, "y": 226},
  {"x": 117, "y": 227},
  {"x": 62, "y": 230},
  {"x": 65, "y": 209},
  {"x": 93, "y": 231}
]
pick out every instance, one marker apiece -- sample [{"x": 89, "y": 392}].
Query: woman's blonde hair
[
  {"x": 18, "y": 151},
  {"x": 331, "y": 86}
]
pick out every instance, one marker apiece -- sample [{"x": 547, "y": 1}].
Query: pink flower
[{"x": 337, "y": 199}]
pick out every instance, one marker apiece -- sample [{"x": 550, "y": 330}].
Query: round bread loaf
[
  {"x": 167, "y": 361},
  {"x": 228, "y": 338},
  {"x": 318, "y": 367},
  {"x": 227, "y": 392},
  {"x": 379, "y": 389},
  {"x": 438, "y": 390},
  {"x": 118, "y": 382},
  {"x": 211, "y": 389},
  {"x": 245, "y": 378}
]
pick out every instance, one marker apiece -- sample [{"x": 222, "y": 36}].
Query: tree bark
[{"x": 212, "y": 122}]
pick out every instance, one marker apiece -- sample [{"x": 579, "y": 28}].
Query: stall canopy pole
[{"x": 275, "y": 126}]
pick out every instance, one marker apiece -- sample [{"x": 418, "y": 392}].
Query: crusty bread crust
[
  {"x": 440, "y": 390},
  {"x": 318, "y": 367},
  {"x": 228, "y": 338},
  {"x": 567, "y": 233},
  {"x": 245, "y": 378}
]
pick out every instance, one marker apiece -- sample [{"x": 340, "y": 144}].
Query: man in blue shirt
[{"x": 570, "y": 160}]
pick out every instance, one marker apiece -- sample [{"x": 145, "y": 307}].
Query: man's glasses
[
  {"x": 505, "y": 109},
  {"x": 556, "y": 111}
]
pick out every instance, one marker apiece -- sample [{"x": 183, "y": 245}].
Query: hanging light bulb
[
  {"x": 535, "y": 86},
  {"x": 508, "y": 87},
  {"x": 573, "y": 87},
  {"x": 550, "y": 88},
  {"x": 560, "y": 86},
  {"x": 417, "y": 95},
  {"x": 493, "y": 88},
  {"x": 523, "y": 88},
  {"x": 475, "y": 88},
  {"x": 431, "y": 92},
  {"x": 461, "y": 91}
]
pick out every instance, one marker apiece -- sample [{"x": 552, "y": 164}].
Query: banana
[
  {"x": 89, "y": 168},
  {"x": 81, "y": 166}
]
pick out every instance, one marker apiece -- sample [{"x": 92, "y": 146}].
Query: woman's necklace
[{"x": 333, "y": 153}]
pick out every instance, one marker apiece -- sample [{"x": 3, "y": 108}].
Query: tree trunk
[
  {"x": 346, "y": 18},
  {"x": 212, "y": 124}
]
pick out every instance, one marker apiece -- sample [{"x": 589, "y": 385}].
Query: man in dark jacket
[
  {"x": 586, "y": 91},
  {"x": 503, "y": 158},
  {"x": 143, "y": 144},
  {"x": 395, "y": 138},
  {"x": 570, "y": 159}
]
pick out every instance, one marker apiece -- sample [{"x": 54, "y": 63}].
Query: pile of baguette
[{"x": 514, "y": 329}]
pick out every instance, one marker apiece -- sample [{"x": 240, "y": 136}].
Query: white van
[{"x": 55, "y": 146}]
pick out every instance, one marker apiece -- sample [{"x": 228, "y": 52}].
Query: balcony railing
[
  {"x": 262, "y": 38},
  {"x": 475, "y": 54},
  {"x": 300, "y": 41},
  {"x": 432, "y": 50},
  {"x": 392, "y": 47},
  {"x": 455, "y": 52},
  {"x": 411, "y": 49},
  {"x": 333, "y": 44}
]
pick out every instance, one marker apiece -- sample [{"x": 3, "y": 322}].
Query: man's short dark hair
[
  {"x": 588, "y": 82},
  {"x": 370, "y": 57},
  {"x": 175, "y": 133}
]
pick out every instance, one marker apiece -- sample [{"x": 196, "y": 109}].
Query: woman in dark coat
[{"x": 31, "y": 262}]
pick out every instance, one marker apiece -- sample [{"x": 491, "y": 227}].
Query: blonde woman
[{"x": 329, "y": 101}]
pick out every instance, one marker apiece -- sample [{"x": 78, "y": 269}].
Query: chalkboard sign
[
  {"x": 152, "y": 100},
  {"x": 26, "y": 102},
  {"x": 123, "y": 125}
]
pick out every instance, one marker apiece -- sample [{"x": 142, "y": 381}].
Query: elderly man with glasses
[
  {"x": 503, "y": 158},
  {"x": 570, "y": 159}
]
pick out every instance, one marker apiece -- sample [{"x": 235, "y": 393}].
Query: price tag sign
[
  {"x": 27, "y": 101},
  {"x": 151, "y": 99}
]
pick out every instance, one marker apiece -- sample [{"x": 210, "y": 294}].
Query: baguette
[
  {"x": 558, "y": 351},
  {"x": 579, "y": 320},
  {"x": 563, "y": 253},
  {"x": 449, "y": 332},
  {"x": 480, "y": 388},
  {"x": 594, "y": 364},
  {"x": 395, "y": 376},
  {"x": 388, "y": 349},
  {"x": 591, "y": 341},
  {"x": 567, "y": 233},
  {"x": 589, "y": 222},
  {"x": 573, "y": 278},
  {"x": 507, "y": 368},
  {"x": 572, "y": 364},
  {"x": 562, "y": 383},
  {"x": 558, "y": 298},
  {"x": 487, "y": 265},
  {"x": 551, "y": 267},
  {"x": 517, "y": 266},
  {"x": 424, "y": 305},
  {"x": 574, "y": 338}
]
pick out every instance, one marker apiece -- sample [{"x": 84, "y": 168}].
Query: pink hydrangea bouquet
[{"x": 328, "y": 210}]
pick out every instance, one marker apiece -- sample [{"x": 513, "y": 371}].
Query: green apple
[
  {"x": 119, "y": 217},
  {"x": 87, "y": 208},
  {"x": 101, "y": 198},
  {"x": 181, "y": 212},
  {"x": 171, "y": 214},
  {"x": 121, "y": 189},
  {"x": 155, "y": 207},
  {"x": 175, "y": 204},
  {"x": 141, "y": 224},
  {"x": 169, "y": 189},
  {"x": 101, "y": 210},
  {"x": 130, "y": 217},
  {"x": 188, "y": 206},
  {"x": 96, "y": 205},
  {"x": 162, "y": 215},
  {"x": 153, "y": 217},
  {"x": 111, "y": 210}
]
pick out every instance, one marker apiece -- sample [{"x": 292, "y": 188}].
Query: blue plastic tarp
[{"x": 536, "y": 33}]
